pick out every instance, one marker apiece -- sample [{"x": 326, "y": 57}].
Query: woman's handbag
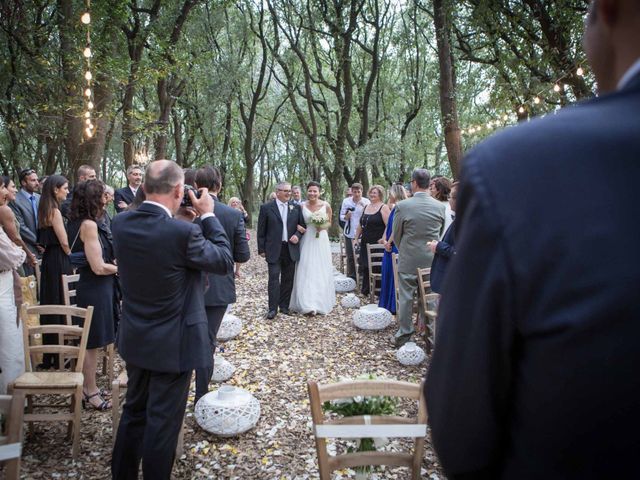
[{"x": 77, "y": 259}]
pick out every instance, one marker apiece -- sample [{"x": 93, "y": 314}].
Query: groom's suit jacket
[
  {"x": 270, "y": 230},
  {"x": 160, "y": 262}
]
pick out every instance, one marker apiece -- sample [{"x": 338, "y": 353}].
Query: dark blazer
[
  {"x": 445, "y": 250},
  {"x": 535, "y": 370},
  {"x": 24, "y": 213},
  {"x": 222, "y": 288},
  {"x": 122, "y": 194},
  {"x": 160, "y": 263},
  {"x": 270, "y": 230}
]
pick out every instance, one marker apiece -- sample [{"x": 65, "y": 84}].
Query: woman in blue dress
[{"x": 397, "y": 193}]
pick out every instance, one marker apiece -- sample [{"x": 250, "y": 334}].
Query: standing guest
[
  {"x": 108, "y": 202},
  {"x": 417, "y": 220},
  {"x": 371, "y": 231},
  {"x": 279, "y": 233},
  {"x": 11, "y": 344},
  {"x": 84, "y": 173},
  {"x": 397, "y": 193},
  {"x": 140, "y": 198},
  {"x": 41, "y": 181},
  {"x": 296, "y": 195},
  {"x": 10, "y": 223},
  {"x": 55, "y": 259},
  {"x": 163, "y": 334},
  {"x": 25, "y": 207},
  {"x": 222, "y": 289},
  {"x": 350, "y": 213},
  {"x": 443, "y": 250},
  {"x": 534, "y": 374},
  {"x": 235, "y": 202},
  {"x": 124, "y": 196},
  {"x": 347, "y": 194},
  {"x": 95, "y": 286},
  {"x": 440, "y": 188}
]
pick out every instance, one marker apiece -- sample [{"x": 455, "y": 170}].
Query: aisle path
[{"x": 273, "y": 359}]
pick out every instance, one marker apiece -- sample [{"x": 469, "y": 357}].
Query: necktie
[{"x": 35, "y": 209}]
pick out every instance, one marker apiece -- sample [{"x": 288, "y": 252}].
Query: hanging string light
[
  {"x": 504, "y": 119},
  {"x": 85, "y": 19}
]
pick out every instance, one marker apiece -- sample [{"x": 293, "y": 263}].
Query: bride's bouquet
[{"x": 320, "y": 220}]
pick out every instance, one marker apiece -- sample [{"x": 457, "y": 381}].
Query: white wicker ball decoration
[
  {"x": 372, "y": 317},
  {"x": 410, "y": 354},
  {"x": 344, "y": 284},
  {"x": 230, "y": 327},
  {"x": 227, "y": 411},
  {"x": 223, "y": 370},
  {"x": 350, "y": 301}
]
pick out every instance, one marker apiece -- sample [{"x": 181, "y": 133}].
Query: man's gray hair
[
  {"x": 282, "y": 184},
  {"x": 162, "y": 176},
  {"x": 422, "y": 177},
  {"x": 131, "y": 168}
]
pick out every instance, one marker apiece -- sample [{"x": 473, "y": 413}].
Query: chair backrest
[
  {"x": 64, "y": 333},
  {"x": 368, "y": 426},
  {"x": 375, "y": 253},
  {"x": 11, "y": 408},
  {"x": 69, "y": 292},
  {"x": 427, "y": 304}
]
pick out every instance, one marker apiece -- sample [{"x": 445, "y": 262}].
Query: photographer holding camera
[
  {"x": 163, "y": 333},
  {"x": 350, "y": 213}
]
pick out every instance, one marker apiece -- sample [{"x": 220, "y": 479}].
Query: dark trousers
[
  {"x": 203, "y": 375},
  {"x": 351, "y": 262},
  {"x": 151, "y": 421},
  {"x": 281, "y": 275}
]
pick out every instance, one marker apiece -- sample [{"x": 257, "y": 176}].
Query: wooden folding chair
[
  {"x": 69, "y": 294},
  {"x": 375, "y": 252},
  {"x": 11, "y": 408},
  {"x": 119, "y": 386},
  {"x": 368, "y": 426},
  {"x": 427, "y": 302},
  {"x": 60, "y": 382}
]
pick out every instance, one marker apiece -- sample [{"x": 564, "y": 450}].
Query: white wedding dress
[{"x": 313, "y": 286}]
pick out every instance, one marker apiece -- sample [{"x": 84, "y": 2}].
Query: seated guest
[
  {"x": 95, "y": 286},
  {"x": 124, "y": 196},
  {"x": 397, "y": 193},
  {"x": 55, "y": 259},
  {"x": 444, "y": 249}
]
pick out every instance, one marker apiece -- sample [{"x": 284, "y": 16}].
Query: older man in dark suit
[
  {"x": 221, "y": 289},
  {"x": 123, "y": 197},
  {"x": 25, "y": 208},
  {"x": 535, "y": 370},
  {"x": 278, "y": 238},
  {"x": 163, "y": 332}
]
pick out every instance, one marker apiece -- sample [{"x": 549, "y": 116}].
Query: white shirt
[
  {"x": 629, "y": 74},
  {"x": 356, "y": 213},
  {"x": 151, "y": 202},
  {"x": 284, "y": 210}
]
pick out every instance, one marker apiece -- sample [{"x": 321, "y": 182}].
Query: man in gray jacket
[
  {"x": 25, "y": 208},
  {"x": 418, "y": 220}
]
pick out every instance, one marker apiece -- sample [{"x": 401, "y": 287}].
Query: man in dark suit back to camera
[
  {"x": 163, "y": 332},
  {"x": 221, "y": 289},
  {"x": 535, "y": 370},
  {"x": 278, "y": 238},
  {"x": 123, "y": 197}
]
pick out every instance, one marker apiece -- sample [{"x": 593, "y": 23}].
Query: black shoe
[
  {"x": 285, "y": 311},
  {"x": 271, "y": 314}
]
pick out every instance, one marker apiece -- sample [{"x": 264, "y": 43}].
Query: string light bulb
[
  {"x": 88, "y": 132},
  {"x": 87, "y": 52},
  {"x": 86, "y": 18},
  {"x": 87, "y": 114},
  {"x": 536, "y": 100},
  {"x": 88, "y": 75},
  {"x": 580, "y": 71},
  {"x": 505, "y": 117},
  {"x": 521, "y": 110},
  {"x": 557, "y": 88},
  {"x": 90, "y": 105},
  {"x": 87, "y": 93}
]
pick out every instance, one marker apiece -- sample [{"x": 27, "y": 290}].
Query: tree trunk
[{"x": 448, "y": 107}]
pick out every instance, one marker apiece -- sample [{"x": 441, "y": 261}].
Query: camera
[
  {"x": 351, "y": 209},
  {"x": 186, "y": 199}
]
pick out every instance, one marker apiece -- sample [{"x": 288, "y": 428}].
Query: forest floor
[{"x": 274, "y": 359}]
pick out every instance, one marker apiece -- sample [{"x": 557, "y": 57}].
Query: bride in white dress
[{"x": 313, "y": 286}]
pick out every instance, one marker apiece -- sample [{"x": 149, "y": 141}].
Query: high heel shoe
[{"x": 86, "y": 402}]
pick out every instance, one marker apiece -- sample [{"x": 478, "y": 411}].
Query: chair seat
[{"x": 49, "y": 380}]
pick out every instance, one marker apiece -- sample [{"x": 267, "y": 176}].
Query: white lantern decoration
[
  {"x": 350, "y": 301},
  {"x": 222, "y": 369},
  {"x": 227, "y": 411},
  {"x": 410, "y": 354},
  {"x": 344, "y": 284},
  {"x": 372, "y": 317},
  {"x": 230, "y": 327}
]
